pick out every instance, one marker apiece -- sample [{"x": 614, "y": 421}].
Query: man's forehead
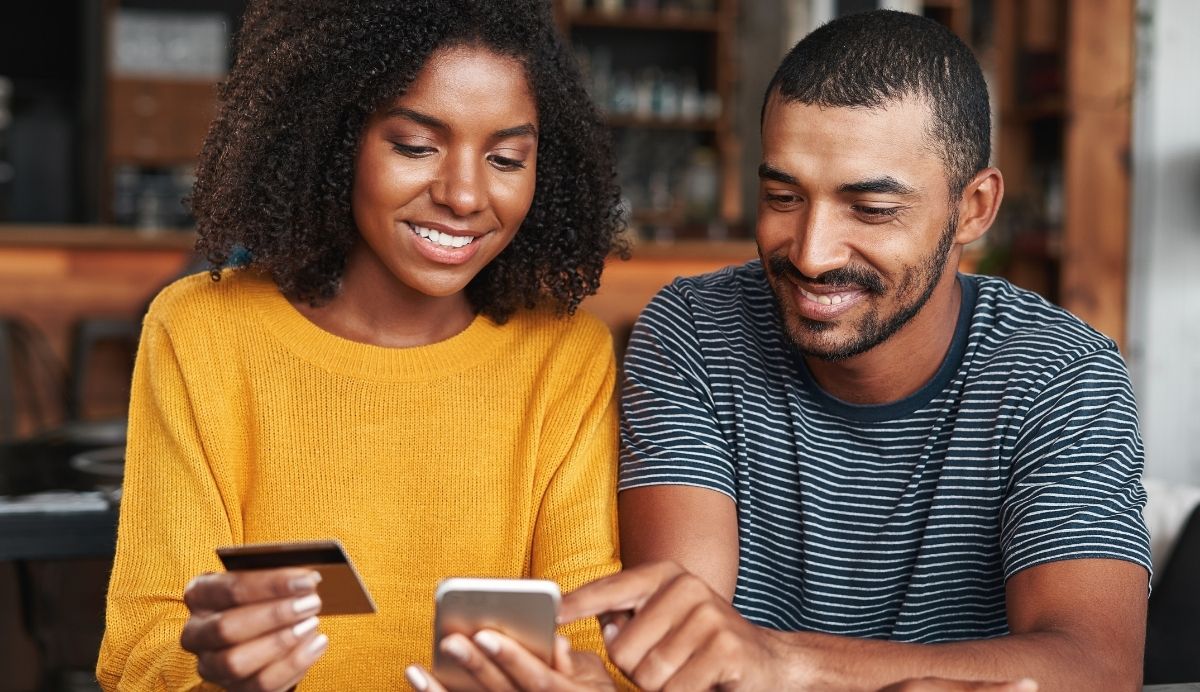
[{"x": 858, "y": 141}]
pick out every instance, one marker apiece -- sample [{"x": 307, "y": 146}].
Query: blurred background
[{"x": 104, "y": 104}]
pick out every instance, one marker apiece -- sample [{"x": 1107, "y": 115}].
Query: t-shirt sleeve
[
  {"x": 669, "y": 429},
  {"x": 1075, "y": 489}
]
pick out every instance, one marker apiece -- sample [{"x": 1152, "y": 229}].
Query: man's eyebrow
[
  {"x": 523, "y": 130},
  {"x": 768, "y": 172},
  {"x": 885, "y": 185}
]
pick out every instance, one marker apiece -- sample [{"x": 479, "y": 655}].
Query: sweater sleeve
[
  {"x": 575, "y": 535},
  {"x": 171, "y": 516}
]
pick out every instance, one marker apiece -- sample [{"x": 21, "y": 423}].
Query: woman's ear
[{"x": 978, "y": 205}]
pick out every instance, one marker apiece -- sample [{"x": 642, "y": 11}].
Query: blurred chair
[
  {"x": 88, "y": 334},
  {"x": 31, "y": 379},
  {"x": 1173, "y": 619},
  {"x": 8, "y": 392}
]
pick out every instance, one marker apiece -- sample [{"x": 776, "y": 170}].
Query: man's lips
[
  {"x": 830, "y": 297},
  {"x": 825, "y": 303}
]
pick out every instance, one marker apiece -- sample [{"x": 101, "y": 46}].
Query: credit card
[{"x": 342, "y": 590}]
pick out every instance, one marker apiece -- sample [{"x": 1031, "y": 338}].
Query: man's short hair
[{"x": 872, "y": 59}]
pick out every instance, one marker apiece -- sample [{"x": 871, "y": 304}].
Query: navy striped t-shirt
[{"x": 899, "y": 521}]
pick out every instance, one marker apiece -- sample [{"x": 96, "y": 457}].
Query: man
[{"x": 865, "y": 467}]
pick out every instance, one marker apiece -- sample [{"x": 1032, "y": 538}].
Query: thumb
[{"x": 563, "y": 661}]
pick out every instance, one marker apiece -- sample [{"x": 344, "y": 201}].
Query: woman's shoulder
[
  {"x": 199, "y": 297},
  {"x": 582, "y": 329}
]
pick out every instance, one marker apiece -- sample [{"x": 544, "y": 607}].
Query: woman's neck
[{"x": 374, "y": 307}]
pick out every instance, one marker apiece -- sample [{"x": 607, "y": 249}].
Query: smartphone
[
  {"x": 342, "y": 590},
  {"x": 523, "y": 609}
]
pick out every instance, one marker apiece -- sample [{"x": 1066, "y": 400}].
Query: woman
[{"x": 420, "y": 194}]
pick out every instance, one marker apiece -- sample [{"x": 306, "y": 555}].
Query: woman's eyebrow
[
  {"x": 523, "y": 130},
  {"x": 417, "y": 117},
  {"x": 526, "y": 130}
]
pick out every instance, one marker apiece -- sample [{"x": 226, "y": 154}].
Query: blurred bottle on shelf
[
  {"x": 151, "y": 199},
  {"x": 610, "y": 7},
  {"x": 158, "y": 43},
  {"x": 691, "y": 99},
  {"x": 700, "y": 187}
]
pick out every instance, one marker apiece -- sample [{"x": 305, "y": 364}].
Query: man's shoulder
[
  {"x": 732, "y": 279},
  {"x": 732, "y": 291},
  {"x": 1008, "y": 315}
]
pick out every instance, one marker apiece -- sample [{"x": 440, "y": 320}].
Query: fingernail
[
  {"x": 1027, "y": 685},
  {"x": 318, "y": 645},
  {"x": 309, "y": 603},
  {"x": 609, "y": 632},
  {"x": 455, "y": 648},
  {"x": 302, "y": 628},
  {"x": 416, "y": 678},
  {"x": 487, "y": 641},
  {"x": 304, "y": 584}
]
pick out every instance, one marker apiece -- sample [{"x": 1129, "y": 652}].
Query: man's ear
[{"x": 978, "y": 206}]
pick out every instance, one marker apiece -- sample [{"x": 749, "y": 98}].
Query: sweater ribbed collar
[{"x": 297, "y": 334}]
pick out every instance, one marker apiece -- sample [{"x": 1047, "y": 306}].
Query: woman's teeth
[{"x": 443, "y": 239}]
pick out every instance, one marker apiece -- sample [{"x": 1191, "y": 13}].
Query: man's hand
[
  {"x": 254, "y": 631},
  {"x": 682, "y": 636},
  {"x": 500, "y": 664}
]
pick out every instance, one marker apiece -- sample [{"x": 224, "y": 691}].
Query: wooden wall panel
[{"x": 1097, "y": 163}]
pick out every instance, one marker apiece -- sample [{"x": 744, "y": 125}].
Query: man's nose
[{"x": 819, "y": 245}]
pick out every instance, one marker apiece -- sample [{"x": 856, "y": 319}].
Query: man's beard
[{"x": 873, "y": 329}]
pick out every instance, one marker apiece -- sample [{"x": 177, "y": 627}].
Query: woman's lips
[{"x": 444, "y": 246}]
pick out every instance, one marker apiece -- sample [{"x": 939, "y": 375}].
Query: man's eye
[
  {"x": 880, "y": 213},
  {"x": 778, "y": 199}
]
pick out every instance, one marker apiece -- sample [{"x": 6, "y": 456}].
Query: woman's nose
[{"x": 460, "y": 186}]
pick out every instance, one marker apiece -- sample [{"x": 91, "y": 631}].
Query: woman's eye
[
  {"x": 413, "y": 150},
  {"x": 505, "y": 163}
]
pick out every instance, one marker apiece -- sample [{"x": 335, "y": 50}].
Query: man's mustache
[{"x": 781, "y": 266}]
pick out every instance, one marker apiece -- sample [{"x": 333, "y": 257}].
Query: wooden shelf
[
  {"x": 653, "y": 21},
  {"x": 94, "y": 237},
  {"x": 731, "y": 251}
]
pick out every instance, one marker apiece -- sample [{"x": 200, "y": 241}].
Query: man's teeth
[
  {"x": 834, "y": 299},
  {"x": 443, "y": 239}
]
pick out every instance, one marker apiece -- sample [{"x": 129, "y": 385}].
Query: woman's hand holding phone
[
  {"x": 499, "y": 664},
  {"x": 254, "y": 630}
]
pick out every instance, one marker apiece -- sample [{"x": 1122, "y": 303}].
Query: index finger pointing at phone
[
  {"x": 224, "y": 590},
  {"x": 625, "y": 591}
]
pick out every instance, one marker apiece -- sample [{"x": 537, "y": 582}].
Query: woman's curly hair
[{"x": 275, "y": 172}]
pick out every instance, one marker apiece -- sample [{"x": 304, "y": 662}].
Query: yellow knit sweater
[{"x": 489, "y": 454}]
